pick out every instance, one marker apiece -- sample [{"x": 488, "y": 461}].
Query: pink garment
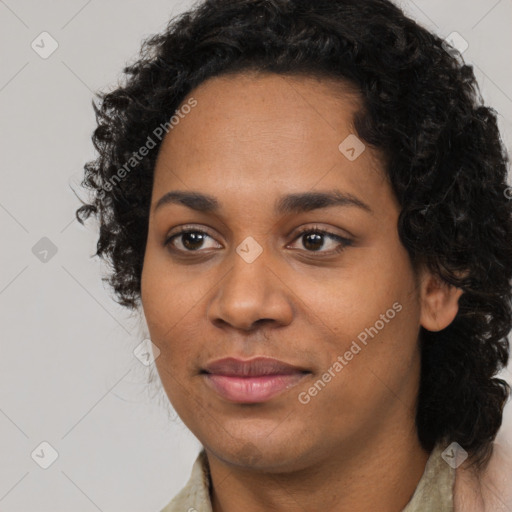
[{"x": 491, "y": 491}]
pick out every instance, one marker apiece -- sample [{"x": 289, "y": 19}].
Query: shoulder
[
  {"x": 489, "y": 490},
  {"x": 195, "y": 496}
]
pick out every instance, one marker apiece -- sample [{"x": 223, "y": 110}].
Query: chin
[{"x": 279, "y": 456}]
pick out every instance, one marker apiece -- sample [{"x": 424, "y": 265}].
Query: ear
[{"x": 439, "y": 302}]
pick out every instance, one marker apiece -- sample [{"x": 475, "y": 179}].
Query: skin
[{"x": 251, "y": 139}]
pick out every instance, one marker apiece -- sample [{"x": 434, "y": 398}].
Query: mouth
[{"x": 253, "y": 381}]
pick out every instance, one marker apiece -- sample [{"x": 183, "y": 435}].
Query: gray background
[{"x": 68, "y": 375}]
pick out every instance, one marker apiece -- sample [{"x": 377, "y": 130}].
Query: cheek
[
  {"x": 170, "y": 299},
  {"x": 354, "y": 298},
  {"x": 371, "y": 368},
  {"x": 372, "y": 312},
  {"x": 167, "y": 294}
]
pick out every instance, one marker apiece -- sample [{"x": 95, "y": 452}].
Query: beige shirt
[{"x": 440, "y": 489}]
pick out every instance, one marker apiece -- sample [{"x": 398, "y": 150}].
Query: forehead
[
  {"x": 256, "y": 133},
  {"x": 256, "y": 89},
  {"x": 250, "y": 100}
]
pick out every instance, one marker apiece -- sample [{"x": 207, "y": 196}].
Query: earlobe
[{"x": 439, "y": 303}]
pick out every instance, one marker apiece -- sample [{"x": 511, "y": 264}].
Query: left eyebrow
[
  {"x": 308, "y": 201},
  {"x": 291, "y": 203}
]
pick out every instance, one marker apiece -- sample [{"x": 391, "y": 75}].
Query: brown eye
[
  {"x": 314, "y": 241},
  {"x": 190, "y": 240}
]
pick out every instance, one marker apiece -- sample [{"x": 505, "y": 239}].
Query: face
[{"x": 323, "y": 285}]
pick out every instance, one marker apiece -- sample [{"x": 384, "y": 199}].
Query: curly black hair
[{"x": 421, "y": 107}]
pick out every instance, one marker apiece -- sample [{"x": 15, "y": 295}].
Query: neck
[{"x": 381, "y": 474}]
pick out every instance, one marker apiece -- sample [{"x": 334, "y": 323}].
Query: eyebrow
[{"x": 291, "y": 203}]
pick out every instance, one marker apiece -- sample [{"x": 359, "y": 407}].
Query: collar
[{"x": 433, "y": 492}]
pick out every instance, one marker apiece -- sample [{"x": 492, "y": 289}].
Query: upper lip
[{"x": 258, "y": 366}]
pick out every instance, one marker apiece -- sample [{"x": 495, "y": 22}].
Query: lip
[{"x": 253, "y": 381}]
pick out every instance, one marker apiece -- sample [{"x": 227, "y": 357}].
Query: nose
[{"x": 251, "y": 294}]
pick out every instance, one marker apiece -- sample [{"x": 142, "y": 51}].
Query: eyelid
[
  {"x": 299, "y": 231},
  {"x": 342, "y": 241},
  {"x": 185, "y": 229},
  {"x": 327, "y": 231}
]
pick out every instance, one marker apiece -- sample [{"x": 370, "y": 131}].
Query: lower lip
[{"x": 250, "y": 390}]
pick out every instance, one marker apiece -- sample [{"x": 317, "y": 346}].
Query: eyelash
[{"x": 344, "y": 242}]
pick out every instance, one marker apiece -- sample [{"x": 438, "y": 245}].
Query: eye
[
  {"x": 193, "y": 239},
  {"x": 190, "y": 239},
  {"x": 314, "y": 240}
]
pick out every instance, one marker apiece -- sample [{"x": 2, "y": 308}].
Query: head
[{"x": 338, "y": 190}]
